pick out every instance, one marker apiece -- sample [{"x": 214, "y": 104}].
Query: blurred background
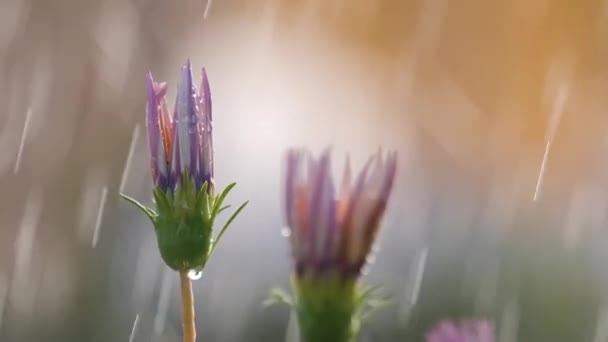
[{"x": 497, "y": 109}]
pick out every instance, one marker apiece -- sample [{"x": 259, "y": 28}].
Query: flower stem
[{"x": 187, "y": 307}]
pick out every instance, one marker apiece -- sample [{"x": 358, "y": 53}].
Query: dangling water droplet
[
  {"x": 286, "y": 232},
  {"x": 195, "y": 274}
]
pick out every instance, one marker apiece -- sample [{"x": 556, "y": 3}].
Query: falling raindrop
[
  {"x": 23, "y": 140},
  {"x": 195, "y": 274},
  {"x": 286, "y": 232},
  {"x": 418, "y": 274},
  {"x": 134, "y": 329},
  {"x": 541, "y": 172},
  {"x": 100, "y": 210},
  {"x": 22, "y": 283},
  {"x": 556, "y": 115},
  {"x": 125, "y": 173},
  {"x": 413, "y": 285},
  {"x": 207, "y": 9}
]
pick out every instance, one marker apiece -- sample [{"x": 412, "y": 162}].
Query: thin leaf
[
  {"x": 160, "y": 198},
  {"x": 369, "y": 292},
  {"x": 219, "y": 200},
  {"x": 278, "y": 296},
  {"x": 365, "y": 313},
  {"x": 149, "y": 212},
  {"x": 219, "y": 236},
  {"x": 203, "y": 200},
  {"x": 223, "y": 208},
  {"x": 371, "y": 301}
]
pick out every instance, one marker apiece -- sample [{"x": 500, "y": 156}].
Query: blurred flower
[
  {"x": 181, "y": 157},
  {"x": 331, "y": 237},
  {"x": 466, "y": 331},
  {"x": 180, "y": 145}
]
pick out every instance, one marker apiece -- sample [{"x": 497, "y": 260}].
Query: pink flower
[{"x": 464, "y": 331}]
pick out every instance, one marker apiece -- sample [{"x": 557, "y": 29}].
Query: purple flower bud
[
  {"x": 330, "y": 233},
  {"x": 159, "y": 126},
  {"x": 180, "y": 145}
]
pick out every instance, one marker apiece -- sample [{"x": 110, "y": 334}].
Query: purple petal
[
  {"x": 355, "y": 214},
  {"x": 206, "y": 158},
  {"x": 484, "y": 331},
  {"x": 390, "y": 168},
  {"x": 467, "y": 331},
  {"x": 340, "y": 207},
  {"x": 176, "y": 173},
  {"x": 157, "y": 153},
  {"x": 324, "y": 219},
  {"x": 329, "y": 247},
  {"x": 346, "y": 180},
  {"x": 317, "y": 201},
  {"x": 360, "y": 183},
  {"x": 187, "y": 123},
  {"x": 293, "y": 160},
  {"x": 445, "y": 332},
  {"x": 206, "y": 96}
]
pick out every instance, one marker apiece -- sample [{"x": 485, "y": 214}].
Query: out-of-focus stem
[{"x": 187, "y": 307}]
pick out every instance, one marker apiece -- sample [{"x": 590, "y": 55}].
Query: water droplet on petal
[
  {"x": 195, "y": 274},
  {"x": 375, "y": 248},
  {"x": 365, "y": 269},
  {"x": 286, "y": 232}
]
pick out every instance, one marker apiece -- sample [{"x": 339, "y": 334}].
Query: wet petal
[
  {"x": 206, "y": 107},
  {"x": 358, "y": 210},
  {"x": 206, "y": 127},
  {"x": 326, "y": 231},
  {"x": 153, "y": 125},
  {"x": 187, "y": 123},
  {"x": 345, "y": 192},
  {"x": 175, "y": 164},
  {"x": 323, "y": 213},
  {"x": 293, "y": 165}
]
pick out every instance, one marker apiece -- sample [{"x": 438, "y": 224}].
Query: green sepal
[
  {"x": 279, "y": 296},
  {"x": 184, "y": 220},
  {"x": 370, "y": 300},
  {"x": 202, "y": 201},
  {"x": 149, "y": 212},
  {"x": 222, "y": 209},
  {"x": 217, "y": 202},
  {"x": 326, "y": 308},
  {"x": 330, "y": 308},
  {"x": 183, "y": 226},
  {"x": 226, "y": 225}
]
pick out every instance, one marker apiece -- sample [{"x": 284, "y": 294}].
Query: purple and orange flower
[
  {"x": 181, "y": 144},
  {"x": 331, "y": 236},
  {"x": 333, "y": 232},
  {"x": 181, "y": 158}
]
